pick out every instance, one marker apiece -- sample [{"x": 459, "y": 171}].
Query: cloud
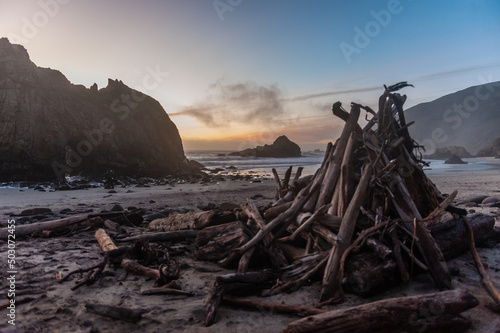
[
  {"x": 241, "y": 103},
  {"x": 332, "y": 93},
  {"x": 451, "y": 73}
]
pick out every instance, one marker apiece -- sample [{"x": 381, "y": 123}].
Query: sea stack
[{"x": 281, "y": 147}]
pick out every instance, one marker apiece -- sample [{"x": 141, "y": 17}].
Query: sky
[{"x": 233, "y": 74}]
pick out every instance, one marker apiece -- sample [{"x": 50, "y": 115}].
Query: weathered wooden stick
[
  {"x": 162, "y": 236},
  {"x": 245, "y": 260},
  {"x": 27, "y": 229},
  {"x": 442, "y": 206},
  {"x": 104, "y": 241},
  {"x": 298, "y": 173},
  {"x": 333, "y": 171},
  {"x": 166, "y": 291},
  {"x": 286, "y": 179},
  {"x": 273, "y": 212},
  {"x": 343, "y": 185},
  {"x": 331, "y": 283},
  {"x": 115, "y": 312},
  {"x": 275, "y": 254},
  {"x": 487, "y": 283},
  {"x": 307, "y": 223},
  {"x": 298, "y": 310},
  {"x": 396, "y": 250},
  {"x": 134, "y": 267},
  {"x": 384, "y": 315},
  {"x": 298, "y": 203}
]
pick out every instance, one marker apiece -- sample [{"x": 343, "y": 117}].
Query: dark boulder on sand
[
  {"x": 51, "y": 128},
  {"x": 281, "y": 147}
]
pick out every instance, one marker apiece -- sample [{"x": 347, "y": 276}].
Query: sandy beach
[{"x": 38, "y": 261}]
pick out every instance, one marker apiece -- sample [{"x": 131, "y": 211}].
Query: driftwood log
[
  {"x": 411, "y": 313},
  {"x": 28, "y": 229}
]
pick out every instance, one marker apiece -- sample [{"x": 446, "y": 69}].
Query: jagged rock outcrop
[
  {"x": 491, "y": 150},
  {"x": 447, "y": 152},
  {"x": 51, "y": 127},
  {"x": 281, "y": 147}
]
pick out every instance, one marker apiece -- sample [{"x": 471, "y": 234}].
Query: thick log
[
  {"x": 366, "y": 274},
  {"x": 239, "y": 283},
  {"x": 125, "y": 217},
  {"x": 113, "y": 226},
  {"x": 298, "y": 310},
  {"x": 162, "y": 236},
  {"x": 28, "y": 229},
  {"x": 115, "y": 312},
  {"x": 192, "y": 220},
  {"x": 385, "y": 315},
  {"x": 218, "y": 242},
  {"x": 331, "y": 282},
  {"x": 455, "y": 241}
]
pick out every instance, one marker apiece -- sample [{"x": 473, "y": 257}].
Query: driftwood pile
[{"x": 369, "y": 218}]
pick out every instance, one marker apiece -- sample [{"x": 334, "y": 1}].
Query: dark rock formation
[
  {"x": 281, "y": 147},
  {"x": 454, "y": 159},
  {"x": 492, "y": 150},
  {"x": 51, "y": 127},
  {"x": 447, "y": 152}
]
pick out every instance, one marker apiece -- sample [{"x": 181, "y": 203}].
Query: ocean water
[
  {"x": 478, "y": 164},
  {"x": 310, "y": 161}
]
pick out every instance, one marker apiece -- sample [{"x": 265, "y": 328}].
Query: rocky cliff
[
  {"x": 447, "y": 152},
  {"x": 492, "y": 150},
  {"x": 51, "y": 127},
  {"x": 281, "y": 147},
  {"x": 469, "y": 118}
]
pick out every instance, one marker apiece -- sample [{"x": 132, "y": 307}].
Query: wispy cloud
[
  {"x": 242, "y": 103},
  {"x": 333, "y": 93},
  {"x": 446, "y": 74}
]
